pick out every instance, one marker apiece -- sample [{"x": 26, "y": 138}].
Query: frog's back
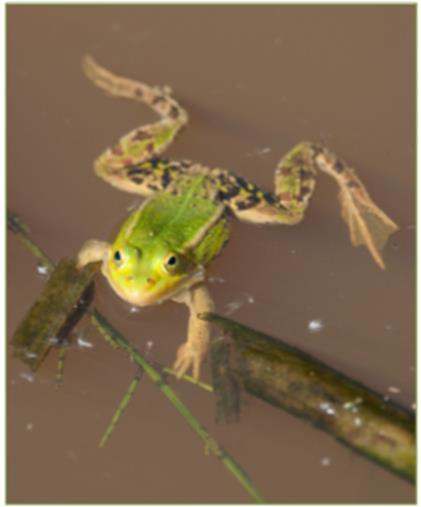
[{"x": 189, "y": 220}]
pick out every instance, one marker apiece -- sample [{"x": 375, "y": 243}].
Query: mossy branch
[{"x": 290, "y": 379}]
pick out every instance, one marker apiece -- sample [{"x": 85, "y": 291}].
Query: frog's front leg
[
  {"x": 193, "y": 351},
  {"x": 294, "y": 184},
  {"x": 119, "y": 165},
  {"x": 92, "y": 251}
]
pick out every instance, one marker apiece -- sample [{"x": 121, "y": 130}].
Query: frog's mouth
[{"x": 146, "y": 295}]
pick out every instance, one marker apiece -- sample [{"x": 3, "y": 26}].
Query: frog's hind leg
[
  {"x": 143, "y": 143},
  {"x": 294, "y": 185}
]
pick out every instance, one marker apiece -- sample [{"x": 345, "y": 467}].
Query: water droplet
[
  {"x": 358, "y": 422},
  {"x": 216, "y": 279},
  {"x": 327, "y": 408},
  {"x": 31, "y": 355},
  {"x": 315, "y": 325},
  {"x": 352, "y": 406},
  {"x": 29, "y": 377},
  {"x": 250, "y": 298},
  {"x": 393, "y": 389},
  {"x": 29, "y": 426},
  {"x": 42, "y": 269},
  {"x": 134, "y": 309},
  {"x": 414, "y": 406},
  {"x": 84, "y": 344},
  {"x": 326, "y": 461},
  {"x": 388, "y": 327}
]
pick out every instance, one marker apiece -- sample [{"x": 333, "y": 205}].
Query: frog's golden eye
[{"x": 171, "y": 263}]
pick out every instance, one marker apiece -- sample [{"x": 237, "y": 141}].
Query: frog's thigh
[
  {"x": 295, "y": 179},
  {"x": 92, "y": 251},
  {"x": 193, "y": 351}
]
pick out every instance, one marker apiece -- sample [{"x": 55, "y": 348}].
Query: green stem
[
  {"x": 60, "y": 365},
  {"x": 120, "y": 409},
  {"x": 189, "y": 378},
  {"x": 111, "y": 334},
  {"x": 15, "y": 224}
]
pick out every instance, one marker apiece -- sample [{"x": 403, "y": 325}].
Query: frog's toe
[{"x": 188, "y": 357}]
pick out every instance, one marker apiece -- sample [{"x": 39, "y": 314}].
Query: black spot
[
  {"x": 339, "y": 166},
  {"x": 306, "y": 175},
  {"x": 269, "y": 198},
  {"x": 352, "y": 184},
  {"x": 243, "y": 205},
  {"x": 134, "y": 170},
  {"x": 166, "y": 178},
  {"x": 141, "y": 135},
  {"x": 158, "y": 99},
  {"x": 137, "y": 180},
  {"x": 117, "y": 255},
  {"x": 153, "y": 187},
  {"x": 248, "y": 203},
  {"x": 228, "y": 193},
  {"x": 174, "y": 112},
  {"x": 154, "y": 162},
  {"x": 241, "y": 182},
  {"x": 138, "y": 92}
]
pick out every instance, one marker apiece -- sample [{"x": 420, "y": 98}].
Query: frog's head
[{"x": 148, "y": 275}]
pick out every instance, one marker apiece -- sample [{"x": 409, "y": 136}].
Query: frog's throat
[{"x": 146, "y": 298}]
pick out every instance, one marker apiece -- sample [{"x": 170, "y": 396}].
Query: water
[{"x": 272, "y": 76}]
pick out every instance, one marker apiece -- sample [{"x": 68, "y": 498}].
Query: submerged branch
[{"x": 293, "y": 380}]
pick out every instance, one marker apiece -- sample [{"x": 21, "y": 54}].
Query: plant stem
[
  {"x": 120, "y": 409},
  {"x": 105, "y": 328}
]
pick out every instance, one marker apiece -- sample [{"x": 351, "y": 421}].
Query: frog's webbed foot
[
  {"x": 189, "y": 357},
  {"x": 295, "y": 179},
  {"x": 368, "y": 224},
  {"x": 191, "y": 354},
  {"x": 92, "y": 251},
  {"x": 116, "y": 164}
]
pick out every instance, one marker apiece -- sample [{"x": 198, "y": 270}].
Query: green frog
[{"x": 164, "y": 247}]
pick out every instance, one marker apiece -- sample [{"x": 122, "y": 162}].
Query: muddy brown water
[{"x": 256, "y": 80}]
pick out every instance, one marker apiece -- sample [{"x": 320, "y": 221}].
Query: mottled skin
[{"x": 163, "y": 248}]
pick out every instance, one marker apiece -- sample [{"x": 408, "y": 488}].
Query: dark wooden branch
[{"x": 293, "y": 380}]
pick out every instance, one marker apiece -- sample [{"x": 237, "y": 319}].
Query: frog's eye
[
  {"x": 118, "y": 257},
  {"x": 171, "y": 263}
]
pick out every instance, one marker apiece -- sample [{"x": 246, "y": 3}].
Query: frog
[{"x": 164, "y": 247}]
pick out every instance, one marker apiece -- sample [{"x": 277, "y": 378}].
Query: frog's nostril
[{"x": 150, "y": 281}]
